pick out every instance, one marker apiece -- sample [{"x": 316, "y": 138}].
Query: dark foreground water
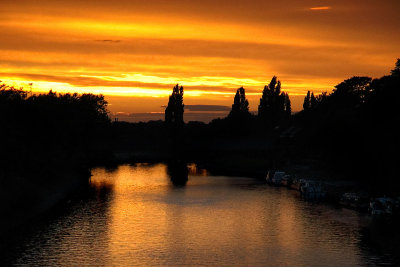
[{"x": 135, "y": 216}]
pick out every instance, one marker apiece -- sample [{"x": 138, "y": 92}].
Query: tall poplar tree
[
  {"x": 307, "y": 101},
  {"x": 273, "y": 103},
  {"x": 240, "y": 107},
  {"x": 175, "y": 108}
]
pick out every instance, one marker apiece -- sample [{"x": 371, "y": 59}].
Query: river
[{"x": 136, "y": 215}]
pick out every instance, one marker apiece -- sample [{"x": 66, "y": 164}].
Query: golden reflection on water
[
  {"x": 217, "y": 220},
  {"x": 138, "y": 215}
]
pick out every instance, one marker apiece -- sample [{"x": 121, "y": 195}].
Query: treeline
[
  {"x": 236, "y": 143},
  {"x": 48, "y": 143},
  {"x": 274, "y": 106},
  {"x": 354, "y": 128},
  {"x": 350, "y": 132},
  {"x": 274, "y": 109},
  {"x": 50, "y": 131}
]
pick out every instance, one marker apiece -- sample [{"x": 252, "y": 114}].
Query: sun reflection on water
[{"x": 135, "y": 215}]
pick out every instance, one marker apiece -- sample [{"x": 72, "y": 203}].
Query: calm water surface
[{"x": 135, "y": 216}]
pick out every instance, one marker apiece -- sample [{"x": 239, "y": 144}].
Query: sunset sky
[{"x": 133, "y": 52}]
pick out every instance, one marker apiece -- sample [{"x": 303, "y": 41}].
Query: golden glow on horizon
[{"x": 253, "y": 89}]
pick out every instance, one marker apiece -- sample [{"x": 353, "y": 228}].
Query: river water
[{"x": 137, "y": 215}]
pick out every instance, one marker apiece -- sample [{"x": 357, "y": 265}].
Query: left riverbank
[
  {"x": 24, "y": 199},
  {"x": 49, "y": 141}
]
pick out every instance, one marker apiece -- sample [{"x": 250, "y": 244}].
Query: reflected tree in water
[{"x": 178, "y": 172}]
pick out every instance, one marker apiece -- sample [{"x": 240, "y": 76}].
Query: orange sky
[{"x": 135, "y": 51}]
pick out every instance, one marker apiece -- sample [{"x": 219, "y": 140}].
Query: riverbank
[
  {"x": 25, "y": 199},
  {"x": 134, "y": 214},
  {"x": 256, "y": 165}
]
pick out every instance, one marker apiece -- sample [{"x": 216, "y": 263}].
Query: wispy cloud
[
  {"x": 321, "y": 8},
  {"x": 108, "y": 41}
]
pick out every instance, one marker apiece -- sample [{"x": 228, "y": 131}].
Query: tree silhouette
[
  {"x": 51, "y": 129},
  {"x": 288, "y": 106},
  {"x": 352, "y": 91},
  {"x": 313, "y": 101},
  {"x": 274, "y": 104},
  {"x": 307, "y": 101},
  {"x": 10, "y": 93},
  {"x": 240, "y": 107},
  {"x": 175, "y": 108},
  {"x": 396, "y": 71},
  {"x": 359, "y": 119},
  {"x": 322, "y": 97}
]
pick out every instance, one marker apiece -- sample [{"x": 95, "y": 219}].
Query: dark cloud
[
  {"x": 189, "y": 116},
  {"x": 108, "y": 41},
  {"x": 207, "y": 108}
]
